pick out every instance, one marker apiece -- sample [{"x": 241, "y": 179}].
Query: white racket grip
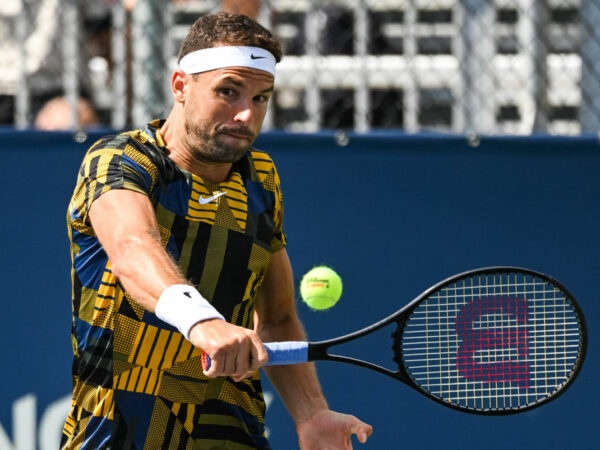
[{"x": 280, "y": 353}]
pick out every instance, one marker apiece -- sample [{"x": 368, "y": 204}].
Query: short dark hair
[{"x": 223, "y": 28}]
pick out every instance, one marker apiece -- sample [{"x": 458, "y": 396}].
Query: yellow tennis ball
[{"x": 321, "y": 288}]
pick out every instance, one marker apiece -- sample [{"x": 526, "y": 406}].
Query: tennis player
[{"x": 178, "y": 245}]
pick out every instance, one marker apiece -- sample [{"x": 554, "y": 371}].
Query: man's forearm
[
  {"x": 297, "y": 385},
  {"x": 299, "y": 389}
]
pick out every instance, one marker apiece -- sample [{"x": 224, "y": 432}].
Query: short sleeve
[{"x": 113, "y": 162}]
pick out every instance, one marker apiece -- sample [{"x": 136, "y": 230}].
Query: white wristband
[{"x": 183, "y": 307}]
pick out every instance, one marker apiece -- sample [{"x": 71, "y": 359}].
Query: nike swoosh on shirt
[{"x": 207, "y": 200}]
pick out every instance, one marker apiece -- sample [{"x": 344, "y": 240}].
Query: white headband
[{"x": 228, "y": 56}]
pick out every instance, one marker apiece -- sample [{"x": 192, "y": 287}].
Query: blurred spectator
[
  {"x": 249, "y": 8},
  {"x": 30, "y": 42},
  {"x": 56, "y": 114},
  {"x": 31, "y": 47}
]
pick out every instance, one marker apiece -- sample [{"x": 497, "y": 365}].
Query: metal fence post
[
  {"x": 477, "y": 66},
  {"x": 71, "y": 59},
  {"x": 313, "y": 28},
  {"x": 411, "y": 88},
  {"x": 540, "y": 18},
  {"x": 120, "y": 73},
  {"x": 590, "y": 79},
  {"x": 148, "y": 63},
  {"x": 22, "y": 96},
  {"x": 361, "y": 94}
]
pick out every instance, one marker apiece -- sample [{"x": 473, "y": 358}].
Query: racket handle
[{"x": 280, "y": 353}]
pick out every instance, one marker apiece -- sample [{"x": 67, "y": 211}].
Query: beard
[{"x": 211, "y": 146}]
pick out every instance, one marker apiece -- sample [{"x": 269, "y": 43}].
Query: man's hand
[
  {"x": 329, "y": 430},
  {"x": 234, "y": 351}
]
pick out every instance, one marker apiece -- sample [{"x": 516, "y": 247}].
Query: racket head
[{"x": 498, "y": 340}]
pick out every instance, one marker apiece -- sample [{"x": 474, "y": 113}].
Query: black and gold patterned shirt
[{"x": 138, "y": 384}]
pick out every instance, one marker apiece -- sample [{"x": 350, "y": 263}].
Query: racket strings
[{"x": 492, "y": 341}]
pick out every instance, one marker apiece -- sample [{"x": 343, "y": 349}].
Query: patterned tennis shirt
[{"x": 137, "y": 382}]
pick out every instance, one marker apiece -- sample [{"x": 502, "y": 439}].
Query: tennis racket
[{"x": 497, "y": 340}]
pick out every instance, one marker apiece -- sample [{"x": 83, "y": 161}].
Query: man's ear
[{"x": 178, "y": 80}]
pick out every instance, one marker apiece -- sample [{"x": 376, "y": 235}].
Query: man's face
[{"x": 224, "y": 110}]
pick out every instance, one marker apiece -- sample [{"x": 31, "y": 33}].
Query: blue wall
[{"x": 392, "y": 214}]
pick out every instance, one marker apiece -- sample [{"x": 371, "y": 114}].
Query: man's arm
[
  {"x": 126, "y": 226},
  {"x": 125, "y": 223},
  {"x": 277, "y": 320}
]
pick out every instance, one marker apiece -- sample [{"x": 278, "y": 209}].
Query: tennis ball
[{"x": 321, "y": 288}]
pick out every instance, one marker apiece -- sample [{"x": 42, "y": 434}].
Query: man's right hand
[{"x": 234, "y": 351}]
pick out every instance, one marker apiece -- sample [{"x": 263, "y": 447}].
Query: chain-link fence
[{"x": 461, "y": 66}]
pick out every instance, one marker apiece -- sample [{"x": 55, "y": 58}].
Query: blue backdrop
[{"x": 391, "y": 213}]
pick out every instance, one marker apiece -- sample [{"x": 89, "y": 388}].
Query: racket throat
[{"x": 316, "y": 352}]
